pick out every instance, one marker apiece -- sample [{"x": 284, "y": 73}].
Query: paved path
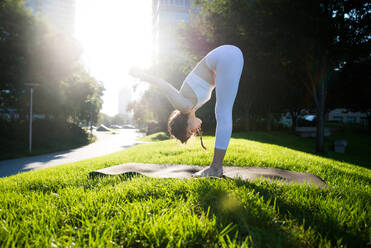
[{"x": 106, "y": 143}]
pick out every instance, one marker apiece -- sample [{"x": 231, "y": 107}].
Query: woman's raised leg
[{"x": 176, "y": 99}]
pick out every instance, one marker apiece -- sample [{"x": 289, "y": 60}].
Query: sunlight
[{"x": 115, "y": 35}]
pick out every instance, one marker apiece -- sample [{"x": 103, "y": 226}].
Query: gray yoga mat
[{"x": 186, "y": 171}]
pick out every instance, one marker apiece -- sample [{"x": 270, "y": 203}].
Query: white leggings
[{"x": 227, "y": 62}]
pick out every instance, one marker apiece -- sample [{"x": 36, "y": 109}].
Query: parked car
[
  {"x": 128, "y": 126},
  {"x": 116, "y": 126}
]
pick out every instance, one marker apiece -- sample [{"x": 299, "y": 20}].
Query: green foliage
[
  {"x": 142, "y": 115},
  {"x": 32, "y": 51},
  {"x": 351, "y": 89},
  {"x": 60, "y": 206},
  {"x": 121, "y": 119},
  {"x": 118, "y": 119},
  {"x": 156, "y": 137},
  {"x": 290, "y": 47},
  {"x": 82, "y": 96},
  {"x": 48, "y": 136},
  {"x": 104, "y": 119}
]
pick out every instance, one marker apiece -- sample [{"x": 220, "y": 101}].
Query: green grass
[
  {"x": 61, "y": 206},
  {"x": 357, "y": 152}
]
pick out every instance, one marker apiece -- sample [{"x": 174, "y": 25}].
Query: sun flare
[{"x": 115, "y": 35}]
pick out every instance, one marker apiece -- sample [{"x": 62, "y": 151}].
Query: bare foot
[{"x": 209, "y": 172}]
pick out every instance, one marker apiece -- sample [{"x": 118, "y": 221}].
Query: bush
[
  {"x": 47, "y": 136},
  {"x": 51, "y": 133}
]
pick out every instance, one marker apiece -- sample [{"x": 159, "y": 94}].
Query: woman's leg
[
  {"x": 228, "y": 74},
  {"x": 228, "y": 64}
]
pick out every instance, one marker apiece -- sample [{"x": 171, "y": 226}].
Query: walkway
[{"x": 106, "y": 143}]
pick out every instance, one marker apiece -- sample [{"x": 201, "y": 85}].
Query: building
[
  {"x": 167, "y": 14},
  {"x": 125, "y": 95},
  {"x": 59, "y": 12}
]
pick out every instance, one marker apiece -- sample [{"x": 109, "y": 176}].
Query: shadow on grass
[
  {"x": 357, "y": 151},
  {"x": 19, "y": 165}
]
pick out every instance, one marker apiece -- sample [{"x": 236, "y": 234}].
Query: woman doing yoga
[{"x": 220, "y": 69}]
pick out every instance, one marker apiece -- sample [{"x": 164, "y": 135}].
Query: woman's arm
[{"x": 177, "y": 100}]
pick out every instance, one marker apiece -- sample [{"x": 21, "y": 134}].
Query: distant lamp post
[
  {"x": 30, "y": 128},
  {"x": 90, "y": 101}
]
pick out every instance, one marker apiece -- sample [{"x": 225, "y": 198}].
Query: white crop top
[{"x": 200, "y": 87}]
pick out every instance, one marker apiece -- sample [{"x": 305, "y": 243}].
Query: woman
[{"x": 220, "y": 69}]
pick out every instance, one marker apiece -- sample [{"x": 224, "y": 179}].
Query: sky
[{"x": 115, "y": 35}]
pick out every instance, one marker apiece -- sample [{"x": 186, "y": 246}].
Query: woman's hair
[{"x": 177, "y": 126}]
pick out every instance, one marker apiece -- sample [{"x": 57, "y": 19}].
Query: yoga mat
[{"x": 185, "y": 171}]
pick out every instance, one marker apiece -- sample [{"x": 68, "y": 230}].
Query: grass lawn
[{"x": 62, "y": 207}]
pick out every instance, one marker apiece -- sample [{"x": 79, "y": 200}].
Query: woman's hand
[{"x": 137, "y": 72}]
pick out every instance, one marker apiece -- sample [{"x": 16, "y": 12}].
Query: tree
[
  {"x": 350, "y": 89},
  {"x": 286, "y": 44},
  {"x": 141, "y": 114},
  {"x": 82, "y": 97},
  {"x": 248, "y": 24},
  {"x": 14, "y": 21},
  {"x": 105, "y": 119},
  {"x": 121, "y": 119},
  {"x": 33, "y": 52},
  {"x": 332, "y": 32}
]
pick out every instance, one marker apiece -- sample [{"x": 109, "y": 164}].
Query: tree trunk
[
  {"x": 247, "y": 122},
  {"x": 320, "y": 130},
  {"x": 294, "y": 116},
  {"x": 247, "y": 118},
  {"x": 269, "y": 121}
]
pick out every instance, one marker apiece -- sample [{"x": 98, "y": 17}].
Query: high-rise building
[
  {"x": 167, "y": 14},
  {"x": 59, "y": 12},
  {"x": 125, "y": 96}
]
